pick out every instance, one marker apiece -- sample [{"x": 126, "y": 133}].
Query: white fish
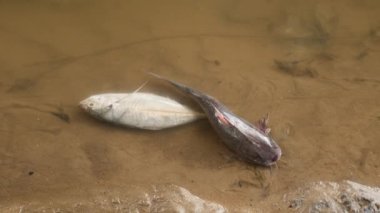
[{"x": 140, "y": 110}]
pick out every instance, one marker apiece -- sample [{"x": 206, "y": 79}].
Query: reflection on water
[{"x": 312, "y": 66}]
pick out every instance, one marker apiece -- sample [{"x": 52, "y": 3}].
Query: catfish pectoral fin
[{"x": 262, "y": 124}]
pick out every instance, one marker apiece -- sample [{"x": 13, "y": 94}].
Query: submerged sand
[{"x": 312, "y": 65}]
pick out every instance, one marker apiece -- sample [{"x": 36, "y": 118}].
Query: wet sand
[{"x": 313, "y": 66}]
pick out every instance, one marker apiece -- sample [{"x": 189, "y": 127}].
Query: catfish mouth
[
  {"x": 266, "y": 163},
  {"x": 272, "y": 162},
  {"x": 268, "y": 160},
  {"x": 274, "y": 159}
]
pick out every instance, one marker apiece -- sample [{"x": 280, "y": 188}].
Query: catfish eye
[
  {"x": 110, "y": 106},
  {"x": 91, "y": 104}
]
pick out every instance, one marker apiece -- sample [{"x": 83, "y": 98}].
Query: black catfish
[{"x": 251, "y": 143}]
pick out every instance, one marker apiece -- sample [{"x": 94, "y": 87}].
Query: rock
[
  {"x": 171, "y": 198},
  {"x": 347, "y": 196}
]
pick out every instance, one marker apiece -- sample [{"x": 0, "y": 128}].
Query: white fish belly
[{"x": 149, "y": 111}]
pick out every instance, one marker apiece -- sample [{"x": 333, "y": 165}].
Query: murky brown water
[{"x": 313, "y": 66}]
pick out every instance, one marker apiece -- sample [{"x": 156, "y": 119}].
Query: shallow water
[{"x": 313, "y": 66}]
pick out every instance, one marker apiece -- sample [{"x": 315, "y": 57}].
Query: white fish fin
[
  {"x": 140, "y": 87},
  {"x": 137, "y": 90}
]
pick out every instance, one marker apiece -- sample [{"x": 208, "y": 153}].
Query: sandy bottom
[{"x": 313, "y": 66}]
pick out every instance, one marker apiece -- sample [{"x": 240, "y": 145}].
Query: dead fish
[
  {"x": 140, "y": 110},
  {"x": 251, "y": 143}
]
